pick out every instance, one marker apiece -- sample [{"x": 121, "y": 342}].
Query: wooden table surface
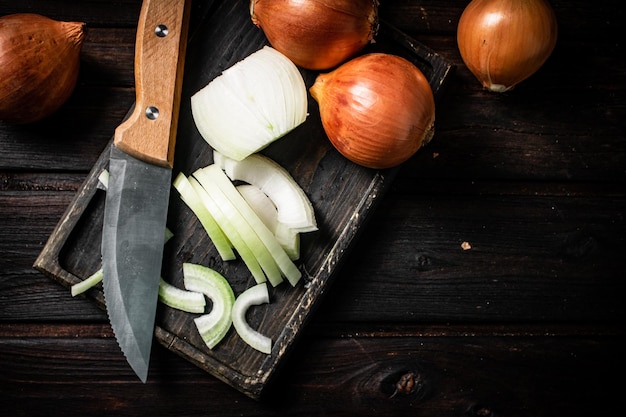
[{"x": 526, "y": 322}]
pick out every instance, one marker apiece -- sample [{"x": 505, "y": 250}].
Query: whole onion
[
  {"x": 317, "y": 34},
  {"x": 503, "y": 42},
  {"x": 39, "y": 62},
  {"x": 377, "y": 109}
]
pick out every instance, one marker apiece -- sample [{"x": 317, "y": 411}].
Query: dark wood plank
[
  {"x": 531, "y": 258},
  {"x": 71, "y": 139},
  {"x": 107, "y": 58},
  {"x": 601, "y": 22},
  {"x": 95, "y": 13},
  {"x": 121, "y": 13},
  {"x": 455, "y": 375},
  {"x": 539, "y": 252},
  {"x": 30, "y": 206}
]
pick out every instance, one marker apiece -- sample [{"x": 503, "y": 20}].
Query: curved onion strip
[
  {"x": 87, "y": 283},
  {"x": 266, "y": 210},
  {"x": 189, "y": 301},
  {"x": 294, "y": 207},
  {"x": 214, "y": 325},
  {"x": 255, "y": 295}
]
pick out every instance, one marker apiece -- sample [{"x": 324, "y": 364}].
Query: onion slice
[
  {"x": 190, "y": 197},
  {"x": 215, "y": 181},
  {"x": 295, "y": 210},
  {"x": 87, "y": 283},
  {"x": 251, "y": 104},
  {"x": 255, "y": 295},
  {"x": 189, "y": 301},
  {"x": 235, "y": 215},
  {"x": 231, "y": 231},
  {"x": 266, "y": 210},
  {"x": 214, "y": 325}
]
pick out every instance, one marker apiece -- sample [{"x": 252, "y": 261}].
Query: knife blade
[{"x": 140, "y": 170}]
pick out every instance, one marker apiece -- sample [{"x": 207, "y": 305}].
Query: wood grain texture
[
  {"x": 528, "y": 322},
  {"x": 433, "y": 376}
]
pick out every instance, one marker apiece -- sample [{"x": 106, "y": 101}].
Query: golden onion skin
[
  {"x": 39, "y": 63},
  {"x": 317, "y": 34},
  {"x": 377, "y": 109},
  {"x": 503, "y": 42}
]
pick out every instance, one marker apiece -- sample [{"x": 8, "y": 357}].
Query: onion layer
[
  {"x": 377, "y": 109},
  {"x": 317, "y": 34},
  {"x": 503, "y": 42},
  {"x": 39, "y": 63}
]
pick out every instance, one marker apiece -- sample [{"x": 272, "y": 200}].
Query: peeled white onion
[{"x": 251, "y": 104}]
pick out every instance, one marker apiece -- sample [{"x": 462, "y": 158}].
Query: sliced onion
[
  {"x": 251, "y": 104},
  {"x": 253, "y": 296},
  {"x": 234, "y": 214},
  {"x": 103, "y": 178},
  {"x": 87, "y": 283},
  {"x": 190, "y": 197},
  {"x": 231, "y": 231},
  {"x": 215, "y": 181},
  {"x": 214, "y": 325},
  {"x": 295, "y": 210},
  {"x": 189, "y": 301},
  {"x": 266, "y": 210}
]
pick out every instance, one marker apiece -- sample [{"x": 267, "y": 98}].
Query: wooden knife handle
[{"x": 149, "y": 133}]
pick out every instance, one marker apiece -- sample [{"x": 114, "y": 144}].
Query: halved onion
[{"x": 251, "y": 104}]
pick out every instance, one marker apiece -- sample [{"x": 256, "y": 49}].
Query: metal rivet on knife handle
[
  {"x": 161, "y": 31},
  {"x": 152, "y": 112}
]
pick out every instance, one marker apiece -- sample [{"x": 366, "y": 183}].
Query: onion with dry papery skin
[
  {"x": 503, "y": 42},
  {"x": 317, "y": 34},
  {"x": 377, "y": 109},
  {"x": 39, "y": 62}
]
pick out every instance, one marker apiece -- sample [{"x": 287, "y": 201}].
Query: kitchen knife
[{"x": 140, "y": 169}]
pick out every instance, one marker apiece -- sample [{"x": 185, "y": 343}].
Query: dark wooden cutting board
[{"x": 342, "y": 193}]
